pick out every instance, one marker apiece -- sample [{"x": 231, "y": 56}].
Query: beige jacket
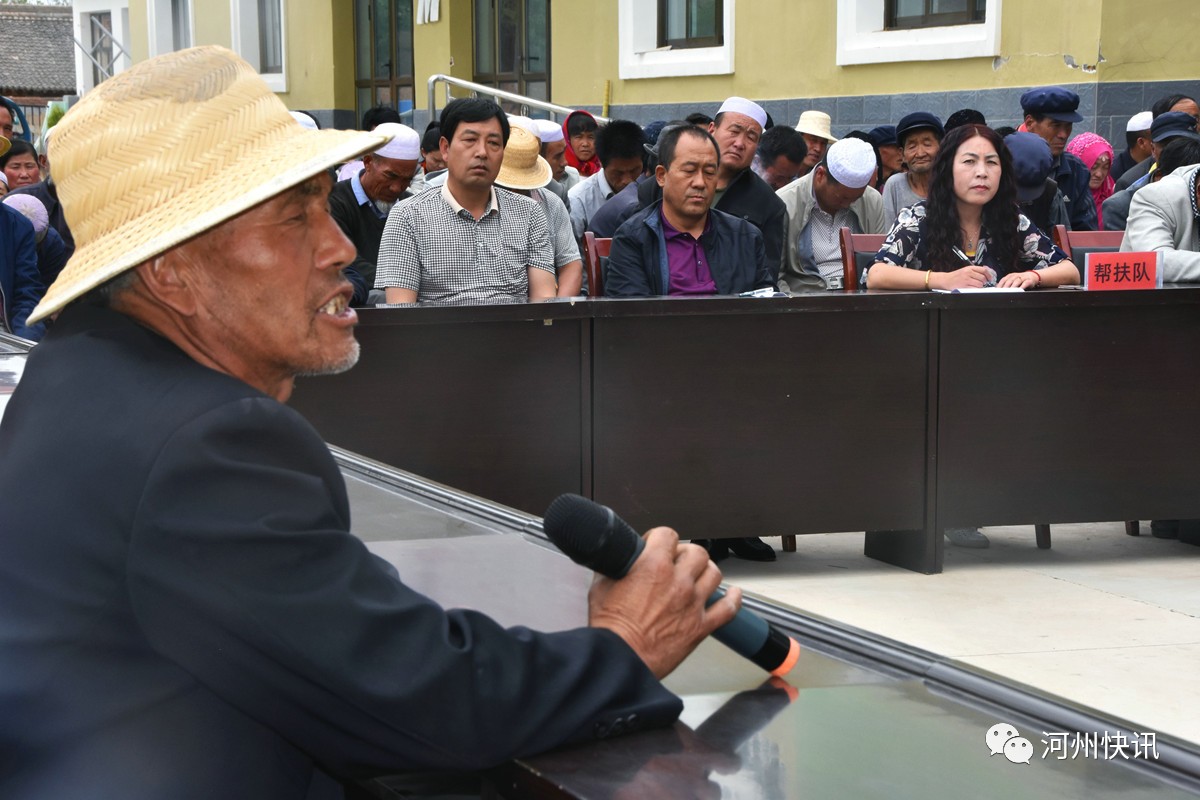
[{"x": 1161, "y": 219}]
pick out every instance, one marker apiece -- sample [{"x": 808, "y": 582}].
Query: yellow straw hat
[
  {"x": 522, "y": 167},
  {"x": 169, "y": 149}
]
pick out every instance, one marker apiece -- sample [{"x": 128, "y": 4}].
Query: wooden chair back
[
  {"x": 594, "y": 250},
  {"x": 858, "y": 253}
]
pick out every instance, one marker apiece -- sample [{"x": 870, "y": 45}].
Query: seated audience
[
  {"x": 969, "y": 234},
  {"x": 51, "y": 252},
  {"x": 1181, "y": 152},
  {"x": 1096, "y": 154},
  {"x": 360, "y": 205},
  {"x": 919, "y": 135},
  {"x": 554, "y": 150},
  {"x": 1165, "y": 128},
  {"x": 467, "y": 240},
  {"x": 780, "y": 156},
  {"x": 1051, "y": 112},
  {"x": 814, "y": 126},
  {"x": 1171, "y": 104},
  {"x": 1165, "y": 217},
  {"x": 836, "y": 195},
  {"x": 887, "y": 147},
  {"x": 622, "y": 159},
  {"x": 371, "y": 119},
  {"x": 580, "y": 130},
  {"x": 1037, "y": 192},
  {"x": 1137, "y": 144},
  {"x": 525, "y": 172},
  {"x": 21, "y": 287},
  {"x": 628, "y": 201},
  {"x": 20, "y": 165},
  {"x": 679, "y": 245}
]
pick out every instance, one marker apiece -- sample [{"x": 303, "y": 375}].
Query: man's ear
[
  {"x": 660, "y": 175},
  {"x": 169, "y": 278}
]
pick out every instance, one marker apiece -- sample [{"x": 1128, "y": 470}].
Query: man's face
[
  {"x": 737, "y": 136},
  {"x": 272, "y": 302},
  {"x": 386, "y": 178},
  {"x": 920, "y": 149},
  {"x": 473, "y": 159},
  {"x": 816, "y": 150},
  {"x": 433, "y": 160},
  {"x": 620, "y": 172},
  {"x": 689, "y": 184},
  {"x": 780, "y": 173},
  {"x": 891, "y": 157},
  {"x": 555, "y": 154},
  {"x": 831, "y": 195},
  {"x": 1055, "y": 132},
  {"x": 6, "y": 123}
]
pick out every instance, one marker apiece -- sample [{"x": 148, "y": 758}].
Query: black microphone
[{"x": 594, "y": 537}]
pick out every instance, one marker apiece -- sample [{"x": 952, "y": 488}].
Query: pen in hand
[{"x": 991, "y": 281}]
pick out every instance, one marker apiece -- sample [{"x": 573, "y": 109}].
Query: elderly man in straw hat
[
  {"x": 466, "y": 240},
  {"x": 360, "y": 204},
  {"x": 183, "y": 611},
  {"x": 815, "y": 126},
  {"x": 525, "y": 172}
]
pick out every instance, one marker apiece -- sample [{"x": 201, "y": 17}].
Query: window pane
[
  {"x": 537, "y": 31},
  {"x": 704, "y": 19},
  {"x": 404, "y": 39},
  {"x": 675, "y": 23},
  {"x": 485, "y": 31},
  {"x": 363, "y": 97},
  {"x": 538, "y": 91},
  {"x": 362, "y": 40},
  {"x": 508, "y": 33},
  {"x": 270, "y": 37},
  {"x": 181, "y": 24},
  {"x": 910, "y": 8},
  {"x": 383, "y": 40}
]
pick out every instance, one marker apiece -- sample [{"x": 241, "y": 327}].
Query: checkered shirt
[{"x": 432, "y": 245}]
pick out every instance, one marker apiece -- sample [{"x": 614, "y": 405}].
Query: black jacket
[
  {"x": 364, "y": 229},
  {"x": 637, "y": 263},
  {"x": 184, "y": 613}
]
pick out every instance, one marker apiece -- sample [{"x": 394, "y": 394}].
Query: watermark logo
[{"x": 1003, "y": 738}]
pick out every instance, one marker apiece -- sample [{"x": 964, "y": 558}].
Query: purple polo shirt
[{"x": 687, "y": 266}]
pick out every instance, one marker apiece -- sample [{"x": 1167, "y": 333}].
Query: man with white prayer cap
[
  {"x": 554, "y": 150},
  {"x": 837, "y": 194},
  {"x": 361, "y": 205},
  {"x": 1139, "y": 144}
]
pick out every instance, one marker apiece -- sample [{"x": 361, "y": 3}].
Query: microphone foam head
[{"x": 591, "y": 535}]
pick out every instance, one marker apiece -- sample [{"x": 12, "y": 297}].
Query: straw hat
[
  {"x": 816, "y": 123},
  {"x": 169, "y": 149},
  {"x": 523, "y": 168},
  {"x": 4, "y": 145}
]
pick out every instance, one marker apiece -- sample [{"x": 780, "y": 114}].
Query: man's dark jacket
[
  {"x": 748, "y": 197},
  {"x": 637, "y": 263},
  {"x": 21, "y": 287},
  {"x": 184, "y": 613},
  {"x": 364, "y": 229}
]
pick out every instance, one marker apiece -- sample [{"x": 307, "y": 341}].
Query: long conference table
[{"x": 898, "y": 414}]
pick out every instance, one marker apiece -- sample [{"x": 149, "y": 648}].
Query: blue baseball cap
[
  {"x": 1054, "y": 102},
  {"x": 1171, "y": 124},
  {"x": 916, "y": 121},
  {"x": 1032, "y": 163}
]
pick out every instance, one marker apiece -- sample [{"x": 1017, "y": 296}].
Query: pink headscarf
[{"x": 1089, "y": 147}]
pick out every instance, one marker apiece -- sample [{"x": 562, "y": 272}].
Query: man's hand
[{"x": 658, "y": 608}]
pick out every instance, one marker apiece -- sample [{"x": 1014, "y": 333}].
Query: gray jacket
[
  {"x": 1161, "y": 219},
  {"x": 799, "y": 272}
]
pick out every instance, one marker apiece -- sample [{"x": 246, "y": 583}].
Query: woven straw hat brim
[
  {"x": 5, "y": 144},
  {"x": 156, "y": 156},
  {"x": 534, "y": 178}
]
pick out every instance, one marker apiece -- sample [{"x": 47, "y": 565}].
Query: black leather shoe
[
  {"x": 716, "y": 548},
  {"x": 750, "y": 549}
]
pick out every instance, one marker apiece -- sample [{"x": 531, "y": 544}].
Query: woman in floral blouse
[{"x": 969, "y": 232}]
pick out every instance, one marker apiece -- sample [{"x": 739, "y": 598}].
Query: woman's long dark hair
[{"x": 942, "y": 226}]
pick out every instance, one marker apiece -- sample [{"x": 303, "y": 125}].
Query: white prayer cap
[
  {"x": 740, "y": 105},
  {"x": 1140, "y": 121},
  {"x": 405, "y": 144},
  {"x": 306, "y": 121},
  {"x": 851, "y": 162},
  {"x": 524, "y": 123},
  {"x": 548, "y": 131}
]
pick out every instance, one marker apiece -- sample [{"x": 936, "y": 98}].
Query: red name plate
[{"x": 1107, "y": 271}]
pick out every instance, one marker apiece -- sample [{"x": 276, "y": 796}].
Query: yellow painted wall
[
  {"x": 139, "y": 33},
  {"x": 786, "y": 48},
  {"x": 312, "y": 68},
  {"x": 444, "y": 47}
]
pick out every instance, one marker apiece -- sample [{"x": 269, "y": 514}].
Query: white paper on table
[{"x": 980, "y": 290}]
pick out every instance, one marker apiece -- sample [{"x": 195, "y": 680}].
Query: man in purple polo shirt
[{"x": 681, "y": 246}]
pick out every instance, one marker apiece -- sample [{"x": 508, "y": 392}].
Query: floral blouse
[{"x": 905, "y": 246}]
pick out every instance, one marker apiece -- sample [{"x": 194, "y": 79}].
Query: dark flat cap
[
  {"x": 883, "y": 135},
  {"x": 1171, "y": 124},
  {"x": 916, "y": 121},
  {"x": 1032, "y": 163},
  {"x": 1054, "y": 102}
]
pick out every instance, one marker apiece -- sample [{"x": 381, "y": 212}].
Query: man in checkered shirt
[{"x": 467, "y": 240}]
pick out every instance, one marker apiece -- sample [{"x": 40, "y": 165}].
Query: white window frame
[
  {"x": 861, "y": 38},
  {"x": 640, "y": 56},
  {"x": 243, "y": 16},
  {"x": 161, "y": 25}
]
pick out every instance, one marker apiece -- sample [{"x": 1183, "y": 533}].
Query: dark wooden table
[{"x": 893, "y": 413}]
